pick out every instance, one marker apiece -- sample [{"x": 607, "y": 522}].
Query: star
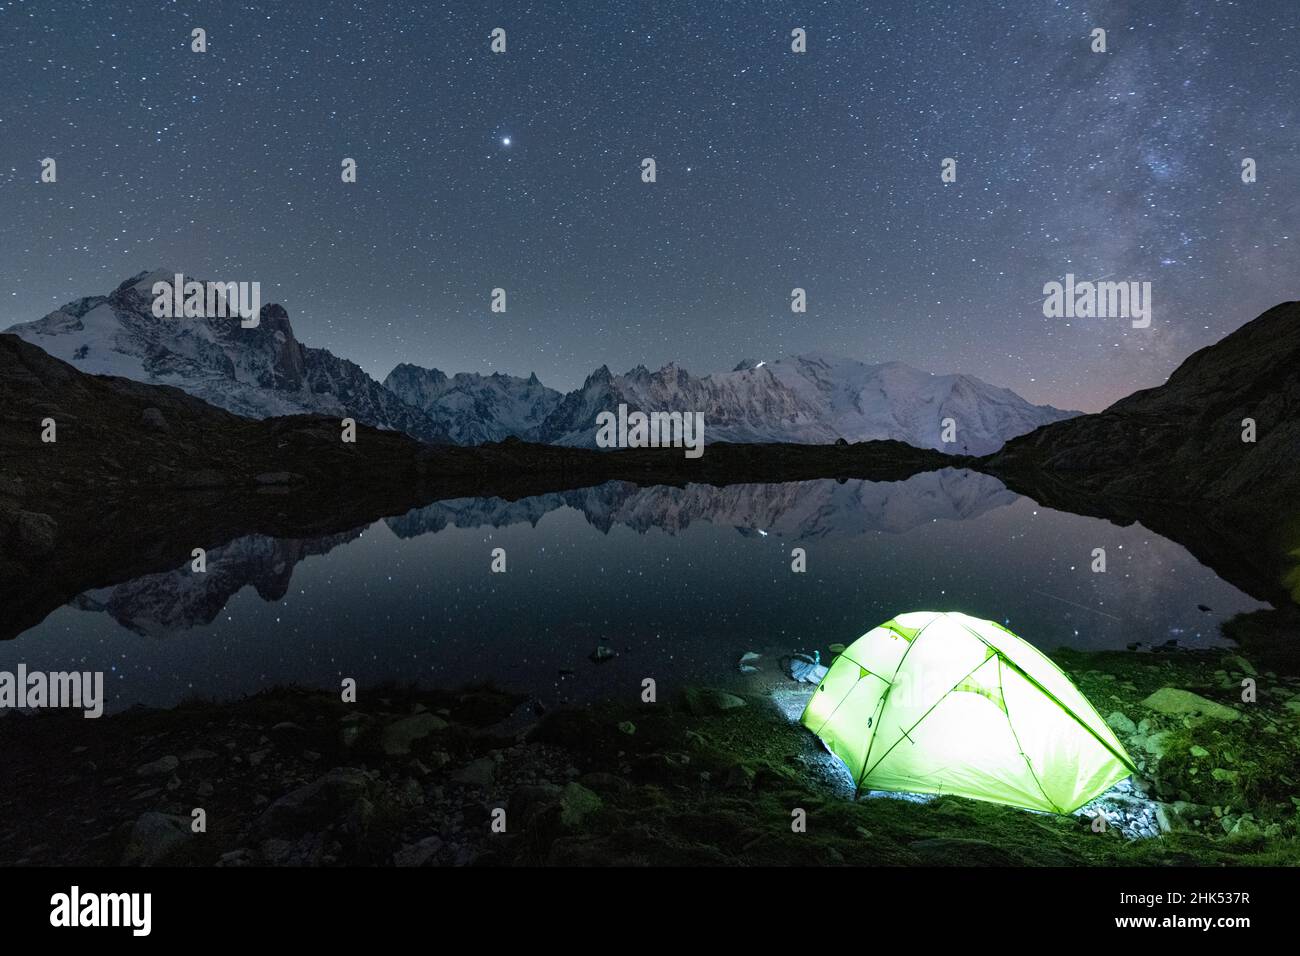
[{"x": 505, "y": 140}]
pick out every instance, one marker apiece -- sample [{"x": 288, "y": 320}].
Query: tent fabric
[{"x": 941, "y": 702}]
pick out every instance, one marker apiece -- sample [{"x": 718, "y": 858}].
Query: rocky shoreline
[{"x": 410, "y": 777}]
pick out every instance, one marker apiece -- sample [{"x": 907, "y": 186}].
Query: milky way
[{"x": 775, "y": 170}]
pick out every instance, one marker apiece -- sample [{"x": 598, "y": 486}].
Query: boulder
[
  {"x": 527, "y": 801},
  {"x": 479, "y": 773},
  {"x": 418, "y": 854},
  {"x": 576, "y": 803},
  {"x": 398, "y": 737},
  {"x": 325, "y": 800},
  {"x": 1174, "y": 702},
  {"x": 156, "y": 837},
  {"x": 1241, "y": 665},
  {"x": 1154, "y": 744},
  {"x": 1121, "y": 723},
  {"x": 703, "y": 701},
  {"x": 163, "y": 765}
]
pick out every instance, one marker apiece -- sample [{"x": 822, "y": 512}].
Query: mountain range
[
  {"x": 265, "y": 371},
  {"x": 141, "y": 473},
  {"x": 813, "y": 398}
]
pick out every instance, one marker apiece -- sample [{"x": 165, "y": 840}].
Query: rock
[
  {"x": 276, "y": 852},
  {"x": 1245, "y": 826},
  {"x": 354, "y": 728},
  {"x": 153, "y": 418},
  {"x": 338, "y": 793},
  {"x": 274, "y": 478},
  {"x": 1175, "y": 702},
  {"x": 601, "y": 654},
  {"x": 1121, "y": 723},
  {"x": 1182, "y": 814},
  {"x": 163, "y": 765},
  {"x": 197, "y": 754},
  {"x": 529, "y": 800},
  {"x": 480, "y": 773},
  {"x": 627, "y": 727},
  {"x": 703, "y": 701},
  {"x": 576, "y": 803},
  {"x": 1239, "y": 663},
  {"x": 1198, "y": 751},
  {"x": 36, "y": 533},
  {"x": 1154, "y": 744},
  {"x": 155, "y": 837},
  {"x": 439, "y": 759},
  {"x": 1224, "y": 776},
  {"x": 398, "y": 737},
  {"x": 418, "y": 854}
]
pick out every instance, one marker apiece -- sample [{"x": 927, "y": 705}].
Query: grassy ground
[{"x": 411, "y": 777}]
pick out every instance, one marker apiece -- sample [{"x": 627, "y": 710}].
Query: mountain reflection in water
[{"x": 678, "y": 581}]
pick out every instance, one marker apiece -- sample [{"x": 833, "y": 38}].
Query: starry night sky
[{"x": 775, "y": 170}]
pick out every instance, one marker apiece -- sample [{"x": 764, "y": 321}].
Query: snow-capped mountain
[
  {"x": 256, "y": 372},
  {"x": 265, "y": 371},
  {"x": 813, "y": 398},
  {"x": 475, "y": 408}
]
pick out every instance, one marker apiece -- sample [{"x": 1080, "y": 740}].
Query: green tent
[{"x": 939, "y": 702}]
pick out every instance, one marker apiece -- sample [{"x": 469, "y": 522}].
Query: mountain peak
[
  {"x": 144, "y": 281},
  {"x": 602, "y": 375},
  {"x": 256, "y": 372}
]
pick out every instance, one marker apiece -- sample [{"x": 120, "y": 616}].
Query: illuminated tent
[{"x": 935, "y": 702}]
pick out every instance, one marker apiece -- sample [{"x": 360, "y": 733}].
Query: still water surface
[{"x": 678, "y": 582}]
